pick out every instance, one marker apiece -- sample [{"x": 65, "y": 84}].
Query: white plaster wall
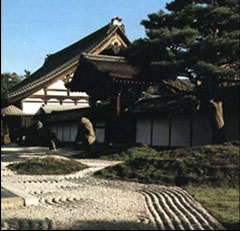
[
  {"x": 68, "y": 102},
  {"x": 78, "y": 93},
  {"x": 73, "y": 132},
  {"x": 65, "y": 132},
  {"x": 160, "y": 131},
  {"x": 31, "y": 108},
  {"x": 180, "y": 132},
  {"x": 100, "y": 134},
  {"x": 143, "y": 130},
  {"x": 41, "y": 92},
  {"x": 60, "y": 133},
  {"x": 57, "y": 85},
  {"x": 61, "y": 93},
  {"x": 202, "y": 132}
]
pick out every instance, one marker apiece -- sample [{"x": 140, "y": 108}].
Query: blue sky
[{"x": 30, "y": 29}]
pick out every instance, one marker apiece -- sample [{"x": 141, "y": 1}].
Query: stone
[{"x": 85, "y": 135}]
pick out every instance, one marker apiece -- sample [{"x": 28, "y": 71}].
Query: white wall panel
[
  {"x": 160, "y": 131},
  {"x": 143, "y": 130},
  {"x": 57, "y": 85},
  {"x": 66, "y": 132},
  {"x": 73, "y": 132},
  {"x": 60, "y": 132},
  {"x": 31, "y": 108},
  {"x": 100, "y": 134}
]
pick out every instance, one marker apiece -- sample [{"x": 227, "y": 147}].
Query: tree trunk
[{"x": 218, "y": 135}]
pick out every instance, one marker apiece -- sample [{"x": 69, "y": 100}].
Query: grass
[
  {"x": 221, "y": 202},
  {"x": 47, "y": 166},
  {"x": 209, "y": 173}
]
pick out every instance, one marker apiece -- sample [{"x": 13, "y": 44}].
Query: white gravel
[
  {"x": 79, "y": 201},
  {"x": 76, "y": 201}
]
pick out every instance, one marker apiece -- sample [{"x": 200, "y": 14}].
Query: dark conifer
[{"x": 196, "y": 39}]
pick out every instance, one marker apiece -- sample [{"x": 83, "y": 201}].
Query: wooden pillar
[
  {"x": 45, "y": 95},
  {"x": 118, "y": 106}
]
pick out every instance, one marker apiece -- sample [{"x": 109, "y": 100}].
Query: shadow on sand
[{"x": 26, "y": 224}]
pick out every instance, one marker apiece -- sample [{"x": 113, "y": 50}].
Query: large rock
[{"x": 85, "y": 134}]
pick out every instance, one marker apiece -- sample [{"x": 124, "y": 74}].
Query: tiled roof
[
  {"x": 12, "y": 110},
  {"x": 171, "y": 105},
  {"x": 64, "y": 59},
  {"x": 96, "y": 66},
  {"x": 68, "y": 115}
]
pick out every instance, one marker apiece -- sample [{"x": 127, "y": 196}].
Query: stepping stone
[{"x": 10, "y": 200}]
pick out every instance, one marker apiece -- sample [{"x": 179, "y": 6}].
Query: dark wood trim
[
  {"x": 55, "y": 89},
  {"x": 32, "y": 101},
  {"x": 121, "y": 75},
  {"x": 100, "y": 127},
  {"x": 118, "y": 104},
  {"x": 58, "y": 97},
  {"x": 170, "y": 131}
]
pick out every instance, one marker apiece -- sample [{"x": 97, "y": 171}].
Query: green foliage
[
  {"x": 47, "y": 166},
  {"x": 116, "y": 151},
  {"x": 8, "y": 80},
  {"x": 196, "y": 39},
  {"x": 214, "y": 165}
]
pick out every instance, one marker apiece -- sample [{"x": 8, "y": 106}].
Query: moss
[
  {"x": 46, "y": 166},
  {"x": 216, "y": 165}
]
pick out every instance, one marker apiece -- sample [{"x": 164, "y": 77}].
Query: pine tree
[
  {"x": 196, "y": 39},
  {"x": 8, "y": 80}
]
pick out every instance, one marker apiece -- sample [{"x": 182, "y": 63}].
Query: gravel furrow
[
  {"x": 191, "y": 206},
  {"x": 204, "y": 213},
  {"x": 167, "y": 206},
  {"x": 174, "y": 209},
  {"x": 154, "y": 216}
]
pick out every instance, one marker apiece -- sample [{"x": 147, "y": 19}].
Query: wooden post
[{"x": 118, "y": 106}]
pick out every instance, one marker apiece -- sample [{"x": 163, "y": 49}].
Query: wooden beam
[
  {"x": 57, "y": 97},
  {"x": 118, "y": 106},
  {"x": 121, "y": 75}
]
